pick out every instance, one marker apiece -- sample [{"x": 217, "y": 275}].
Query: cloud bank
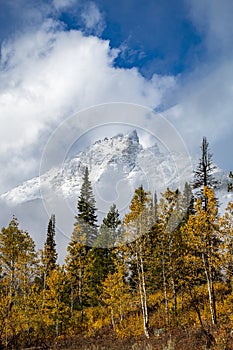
[
  {"x": 50, "y": 73},
  {"x": 205, "y": 94}
]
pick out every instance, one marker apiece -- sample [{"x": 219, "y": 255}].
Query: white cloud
[
  {"x": 93, "y": 19},
  {"x": 63, "y": 4},
  {"x": 205, "y": 95},
  {"x": 205, "y": 109},
  {"x": 213, "y": 19},
  {"x": 46, "y": 75}
]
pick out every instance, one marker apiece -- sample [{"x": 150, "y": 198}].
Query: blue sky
[
  {"x": 155, "y": 36},
  {"x": 60, "y": 56},
  {"x": 158, "y": 35}
]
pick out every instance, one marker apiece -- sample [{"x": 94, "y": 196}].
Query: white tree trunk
[
  {"x": 210, "y": 289},
  {"x": 112, "y": 318},
  {"x": 142, "y": 291}
]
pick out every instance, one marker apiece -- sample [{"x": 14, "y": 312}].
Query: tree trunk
[
  {"x": 174, "y": 299},
  {"x": 210, "y": 289},
  {"x": 80, "y": 292},
  {"x": 71, "y": 300},
  {"x": 165, "y": 290},
  {"x": 142, "y": 291},
  {"x": 112, "y": 318},
  {"x": 146, "y": 320}
]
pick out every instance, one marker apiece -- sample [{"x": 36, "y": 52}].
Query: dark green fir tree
[
  {"x": 79, "y": 258},
  {"x": 103, "y": 253},
  {"x": 87, "y": 218},
  {"x": 204, "y": 174},
  {"x": 50, "y": 252},
  {"x": 109, "y": 232}
]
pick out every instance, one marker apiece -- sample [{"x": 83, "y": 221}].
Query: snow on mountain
[
  {"x": 117, "y": 166},
  {"x": 120, "y": 159}
]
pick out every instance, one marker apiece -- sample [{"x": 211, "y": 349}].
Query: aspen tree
[
  {"x": 137, "y": 224},
  {"x": 55, "y": 308},
  {"x": 202, "y": 238},
  {"x": 168, "y": 247},
  {"x": 115, "y": 295}
]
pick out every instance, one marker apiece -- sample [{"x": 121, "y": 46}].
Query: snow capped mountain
[
  {"x": 117, "y": 166},
  {"x": 114, "y": 162}
]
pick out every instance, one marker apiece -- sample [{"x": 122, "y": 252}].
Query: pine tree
[
  {"x": 102, "y": 254},
  {"x": 203, "y": 175},
  {"x": 109, "y": 232},
  {"x": 87, "y": 217},
  {"x": 80, "y": 247},
  {"x": 50, "y": 253},
  {"x": 229, "y": 185}
]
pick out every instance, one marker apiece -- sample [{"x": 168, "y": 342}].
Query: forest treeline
[{"x": 166, "y": 265}]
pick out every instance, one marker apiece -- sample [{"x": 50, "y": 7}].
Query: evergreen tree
[
  {"x": 229, "y": 185},
  {"x": 79, "y": 249},
  {"x": 109, "y": 231},
  {"x": 102, "y": 255},
  {"x": 87, "y": 217},
  {"x": 203, "y": 175},
  {"x": 50, "y": 253}
]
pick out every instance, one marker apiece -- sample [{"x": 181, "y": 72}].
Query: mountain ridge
[{"x": 115, "y": 162}]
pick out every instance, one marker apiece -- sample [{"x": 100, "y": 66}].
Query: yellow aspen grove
[
  {"x": 202, "y": 241},
  {"x": 55, "y": 309},
  {"x": 137, "y": 224},
  {"x": 18, "y": 261},
  {"x": 168, "y": 249},
  {"x": 115, "y": 295},
  {"x": 17, "y": 257}
]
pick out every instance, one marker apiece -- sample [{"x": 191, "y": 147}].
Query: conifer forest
[{"x": 161, "y": 277}]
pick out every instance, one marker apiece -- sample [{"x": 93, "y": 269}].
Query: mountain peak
[
  {"x": 133, "y": 135},
  {"x": 117, "y": 165}
]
